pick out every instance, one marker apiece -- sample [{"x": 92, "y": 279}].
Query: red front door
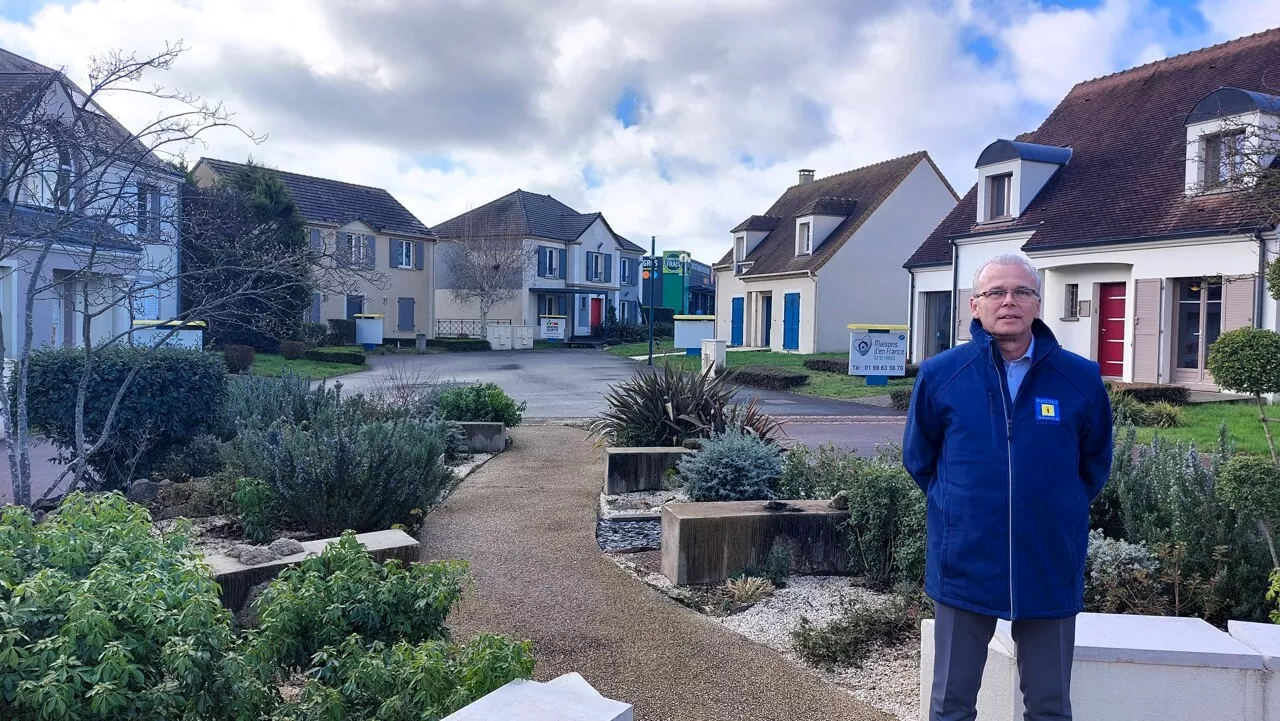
[
  {"x": 596, "y": 315},
  {"x": 1111, "y": 329}
]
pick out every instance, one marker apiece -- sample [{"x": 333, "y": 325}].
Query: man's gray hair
[{"x": 1006, "y": 259}]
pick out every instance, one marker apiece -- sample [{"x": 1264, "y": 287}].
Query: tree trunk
[
  {"x": 1271, "y": 542},
  {"x": 1266, "y": 427}
]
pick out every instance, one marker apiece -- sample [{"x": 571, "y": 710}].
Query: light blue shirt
[{"x": 1016, "y": 370}]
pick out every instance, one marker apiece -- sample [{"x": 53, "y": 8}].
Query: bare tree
[
  {"x": 487, "y": 270},
  {"x": 90, "y": 228}
]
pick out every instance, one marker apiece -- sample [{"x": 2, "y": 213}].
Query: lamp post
[{"x": 653, "y": 250}]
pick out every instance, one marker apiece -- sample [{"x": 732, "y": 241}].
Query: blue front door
[
  {"x": 767, "y": 319},
  {"x": 735, "y": 329},
  {"x": 791, "y": 321}
]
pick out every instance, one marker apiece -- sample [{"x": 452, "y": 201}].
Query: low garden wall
[
  {"x": 1141, "y": 668},
  {"x": 708, "y": 542},
  {"x": 629, "y": 470},
  {"x": 485, "y": 436}
]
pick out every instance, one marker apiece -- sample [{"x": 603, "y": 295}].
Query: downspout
[
  {"x": 911, "y": 314},
  {"x": 1259, "y": 296},
  {"x": 955, "y": 290}
]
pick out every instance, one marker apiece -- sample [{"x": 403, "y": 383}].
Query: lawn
[
  {"x": 1201, "y": 422},
  {"x": 821, "y": 383},
  {"x": 271, "y": 364},
  {"x": 660, "y": 345}
]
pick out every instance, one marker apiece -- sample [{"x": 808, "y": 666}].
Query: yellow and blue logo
[{"x": 1047, "y": 410}]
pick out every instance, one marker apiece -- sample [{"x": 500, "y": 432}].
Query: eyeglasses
[{"x": 1020, "y": 295}]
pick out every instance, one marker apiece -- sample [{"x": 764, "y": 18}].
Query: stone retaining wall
[{"x": 630, "y": 470}]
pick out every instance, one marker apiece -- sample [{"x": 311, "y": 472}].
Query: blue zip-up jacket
[{"x": 1008, "y": 481}]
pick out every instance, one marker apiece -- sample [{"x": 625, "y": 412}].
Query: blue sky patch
[
  {"x": 19, "y": 10},
  {"x": 627, "y": 109},
  {"x": 983, "y": 48},
  {"x": 591, "y": 176}
]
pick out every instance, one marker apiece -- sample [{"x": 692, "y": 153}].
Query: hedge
[
  {"x": 342, "y": 331},
  {"x": 660, "y": 315},
  {"x": 459, "y": 344},
  {"x": 900, "y": 398},
  {"x": 768, "y": 377},
  {"x": 350, "y": 357},
  {"x": 828, "y": 365},
  {"x": 174, "y": 397},
  {"x": 1153, "y": 393}
]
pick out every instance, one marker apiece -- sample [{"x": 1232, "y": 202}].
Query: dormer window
[
  {"x": 804, "y": 238},
  {"x": 1229, "y": 133},
  {"x": 999, "y": 196},
  {"x": 1223, "y": 158},
  {"x": 739, "y": 247},
  {"x": 1011, "y": 174}
]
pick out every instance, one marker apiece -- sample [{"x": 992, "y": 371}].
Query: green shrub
[
  {"x": 663, "y": 329},
  {"x": 661, "y": 408},
  {"x": 1129, "y": 411},
  {"x": 733, "y": 466},
  {"x": 175, "y": 396},
  {"x": 660, "y": 315},
  {"x": 807, "y": 474},
  {"x": 293, "y": 349},
  {"x": 342, "y": 331},
  {"x": 239, "y": 358},
  {"x": 312, "y": 334},
  {"x": 1152, "y": 392},
  {"x": 1246, "y": 360},
  {"x": 480, "y": 402},
  {"x": 828, "y": 365},
  {"x": 353, "y": 357},
  {"x": 459, "y": 344},
  {"x": 337, "y": 471},
  {"x": 885, "y": 532},
  {"x": 1122, "y": 577},
  {"x": 911, "y": 370},
  {"x": 199, "y": 457},
  {"x": 768, "y": 377},
  {"x": 615, "y": 333},
  {"x": 859, "y": 628},
  {"x": 256, "y": 503},
  {"x": 1163, "y": 414},
  {"x": 258, "y": 401},
  {"x": 105, "y": 618},
  {"x": 900, "y": 398},
  {"x": 213, "y": 496}
]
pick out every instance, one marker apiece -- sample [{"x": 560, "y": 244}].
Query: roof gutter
[
  {"x": 1258, "y": 289},
  {"x": 955, "y": 291}
]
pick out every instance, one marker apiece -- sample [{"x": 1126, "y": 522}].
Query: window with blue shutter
[
  {"x": 561, "y": 255},
  {"x": 317, "y": 246},
  {"x": 371, "y": 253},
  {"x": 405, "y": 320},
  {"x": 317, "y": 307},
  {"x": 607, "y": 259},
  {"x": 418, "y": 248},
  {"x": 542, "y": 262}
]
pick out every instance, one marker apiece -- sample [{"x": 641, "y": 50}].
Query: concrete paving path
[{"x": 525, "y": 520}]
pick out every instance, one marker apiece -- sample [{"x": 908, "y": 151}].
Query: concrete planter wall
[
  {"x": 708, "y": 542},
  {"x": 629, "y": 470},
  {"x": 485, "y": 436},
  {"x": 1140, "y": 668}
]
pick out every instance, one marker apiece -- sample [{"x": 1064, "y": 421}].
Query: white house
[
  {"x": 582, "y": 266},
  {"x": 828, "y": 253},
  {"x": 86, "y": 209},
  {"x": 1128, "y": 200}
]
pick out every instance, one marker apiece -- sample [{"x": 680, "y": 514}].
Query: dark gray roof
[
  {"x": 757, "y": 222},
  {"x": 842, "y": 207},
  {"x": 521, "y": 214},
  {"x": 1225, "y": 102},
  {"x": 1002, "y": 150},
  {"x": 321, "y": 200},
  {"x": 42, "y": 225},
  {"x": 12, "y": 63}
]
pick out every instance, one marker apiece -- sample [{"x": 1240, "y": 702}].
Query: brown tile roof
[
  {"x": 868, "y": 186},
  {"x": 757, "y": 222},
  {"x": 828, "y": 206},
  {"x": 1126, "y": 177}
]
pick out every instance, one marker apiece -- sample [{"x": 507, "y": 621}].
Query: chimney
[{"x": 806, "y": 175}]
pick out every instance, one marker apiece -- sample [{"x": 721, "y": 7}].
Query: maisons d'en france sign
[{"x": 877, "y": 351}]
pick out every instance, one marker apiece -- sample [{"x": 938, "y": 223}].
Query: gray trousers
[{"x": 1046, "y": 648}]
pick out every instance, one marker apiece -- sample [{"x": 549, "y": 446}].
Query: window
[
  {"x": 552, "y": 262},
  {"x": 1223, "y": 159},
  {"x": 596, "y": 267},
  {"x": 355, "y": 304},
  {"x": 740, "y": 247},
  {"x": 48, "y": 182},
  {"x": 1071, "y": 301},
  {"x": 147, "y": 206},
  {"x": 403, "y": 257},
  {"x": 1198, "y": 322},
  {"x": 804, "y": 239},
  {"x": 146, "y": 301},
  {"x": 549, "y": 305},
  {"x": 998, "y": 196},
  {"x": 625, "y": 272},
  {"x": 62, "y": 186},
  {"x": 354, "y": 246}
]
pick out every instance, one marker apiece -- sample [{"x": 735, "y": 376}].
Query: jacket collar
[{"x": 1046, "y": 342}]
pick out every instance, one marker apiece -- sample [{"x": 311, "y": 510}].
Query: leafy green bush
[
  {"x": 174, "y": 397},
  {"x": 342, "y": 331},
  {"x": 459, "y": 344},
  {"x": 1246, "y": 360},
  {"x": 768, "y": 377},
  {"x": 663, "y": 329},
  {"x": 661, "y": 314},
  {"x": 293, "y": 349},
  {"x": 886, "y": 527},
  {"x": 733, "y": 466},
  {"x": 1152, "y": 392},
  {"x": 807, "y": 474},
  {"x": 336, "y": 471},
  {"x": 828, "y": 365},
  {"x": 1129, "y": 411},
  {"x": 239, "y": 358},
  {"x": 258, "y": 401},
  {"x": 199, "y": 457},
  {"x": 661, "y": 408},
  {"x": 104, "y": 618},
  {"x": 312, "y": 334},
  {"x": 911, "y": 370},
  {"x": 256, "y": 503},
  {"x": 615, "y": 333},
  {"x": 900, "y": 398},
  {"x": 1122, "y": 577},
  {"x": 859, "y": 628},
  {"x": 353, "y": 357},
  {"x": 1163, "y": 414},
  {"x": 480, "y": 402}
]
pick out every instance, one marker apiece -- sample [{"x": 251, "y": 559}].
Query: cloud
[{"x": 450, "y": 105}]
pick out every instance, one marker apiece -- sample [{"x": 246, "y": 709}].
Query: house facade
[
  {"x": 828, "y": 253},
  {"x": 580, "y": 266},
  {"x": 1132, "y": 201},
  {"x": 86, "y": 209},
  {"x": 378, "y": 257}
]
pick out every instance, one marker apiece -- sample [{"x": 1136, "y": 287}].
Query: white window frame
[
  {"x": 739, "y": 248},
  {"x": 597, "y": 267},
  {"x": 624, "y": 272},
  {"x": 404, "y": 254},
  {"x": 145, "y": 297},
  {"x": 1230, "y": 158},
  {"x": 1006, "y": 198},
  {"x": 804, "y": 241},
  {"x": 551, "y": 306},
  {"x": 356, "y": 246},
  {"x": 1071, "y": 301},
  {"x": 553, "y": 262}
]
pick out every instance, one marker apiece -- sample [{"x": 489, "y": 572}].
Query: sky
[{"x": 676, "y": 119}]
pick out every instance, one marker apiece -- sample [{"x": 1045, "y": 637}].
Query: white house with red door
[
  {"x": 581, "y": 267},
  {"x": 1130, "y": 200}
]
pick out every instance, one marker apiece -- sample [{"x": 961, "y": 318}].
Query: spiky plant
[
  {"x": 661, "y": 408},
  {"x": 749, "y": 589}
]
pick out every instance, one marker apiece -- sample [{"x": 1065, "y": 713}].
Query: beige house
[{"x": 379, "y": 258}]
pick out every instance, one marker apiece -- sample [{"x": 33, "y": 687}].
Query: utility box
[
  {"x": 368, "y": 330},
  {"x": 521, "y": 337},
  {"x": 499, "y": 337},
  {"x": 691, "y": 330},
  {"x": 714, "y": 351}
]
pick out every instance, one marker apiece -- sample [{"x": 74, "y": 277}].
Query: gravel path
[{"x": 526, "y": 522}]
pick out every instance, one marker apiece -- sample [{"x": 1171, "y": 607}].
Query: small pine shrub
[
  {"x": 292, "y": 349},
  {"x": 480, "y": 402},
  {"x": 767, "y": 377},
  {"x": 777, "y": 567},
  {"x": 199, "y": 457},
  {"x": 1129, "y": 411},
  {"x": 256, "y": 504},
  {"x": 900, "y": 398},
  {"x": 858, "y": 629},
  {"x": 1163, "y": 414},
  {"x": 239, "y": 358},
  {"x": 733, "y": 466}
]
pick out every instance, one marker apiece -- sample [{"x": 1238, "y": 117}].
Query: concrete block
[
  {"x": 1264, "y": 638},
  {"x": 628, "y": 470},
  {"x": 1131, "y": 668},
  {"x": 236, "y": 578},
  {"x": 485, "y": 436},
  {"x": 566, "y": 698},
  {"x": 708, "y": 542}
]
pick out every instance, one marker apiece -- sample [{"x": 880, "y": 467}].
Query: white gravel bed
[
  {"x": 639, "y": 502},
  {"x": 464, "y": 469},
  {"x": 889, "y": 678}
]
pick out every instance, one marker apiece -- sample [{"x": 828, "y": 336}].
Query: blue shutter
[
  {"x": 316, "y": 307},
  {"x": 393, "y": 256},
  {"x": 608, "y": 267},
  {"x": 405, "y": 321},
  {"x": 562, "y": 264},
  {"x": 735, "y": 328},
  {"x": 542, "y": 262},
  {"x": 371, "y": 251},
  {"x": 791, "y": 321},
  {"x": 418, "y": 248}
]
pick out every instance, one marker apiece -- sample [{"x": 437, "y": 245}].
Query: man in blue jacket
[{"x": 1009, "y": 437}]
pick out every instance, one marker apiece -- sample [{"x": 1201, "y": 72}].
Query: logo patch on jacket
[{"x": 1047, "y": 410}]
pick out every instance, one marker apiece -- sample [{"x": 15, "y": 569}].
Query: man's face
[{"x": 1008, "y": 316}]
